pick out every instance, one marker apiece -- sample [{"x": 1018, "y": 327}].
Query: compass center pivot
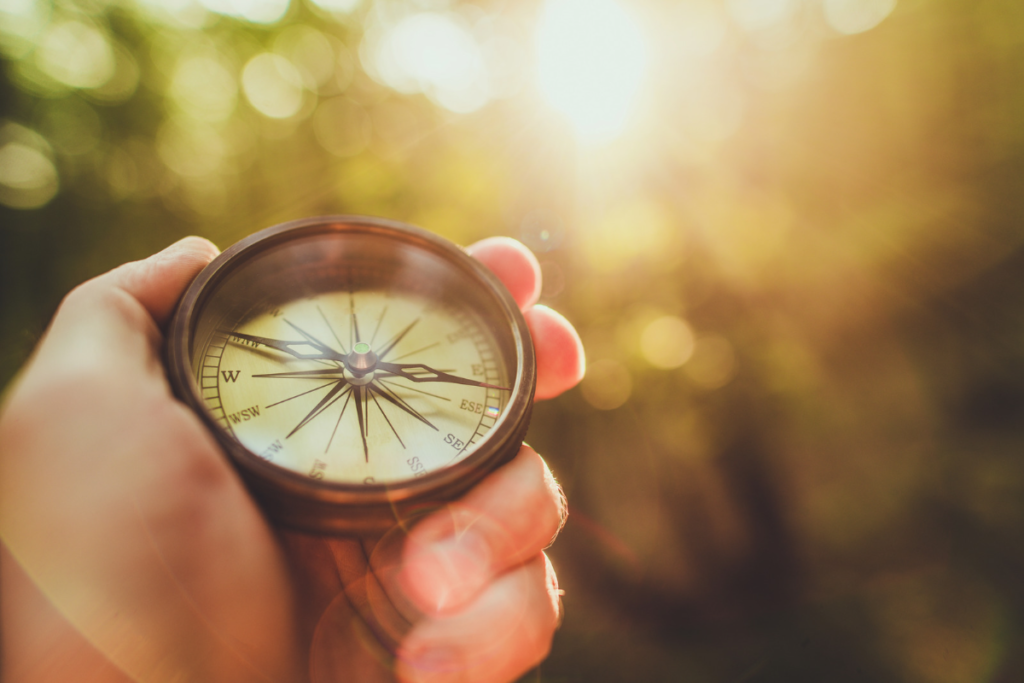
[{"x": 361, "y": 362}]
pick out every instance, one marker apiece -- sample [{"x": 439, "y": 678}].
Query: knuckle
[
  {"x": 546, "y": 495},
  {"x": 546, "y": 611},
  {"x": 560, "y": 502},
  {"x": 107, "y": 293}
]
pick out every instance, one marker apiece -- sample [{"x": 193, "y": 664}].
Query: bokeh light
[
  {"x": 203, "y": 88},
  {"x": 308, "y": 50},
  {"x": 22, "y": 23},
  {"x": 591, "y": 62},
  {"x": 856, "y": 16},
  {"x": 76, "y": 54},
  {"x": 667, "y": 342},
  {"x": 28, "y": 178},
  {"x": 607, "y": 384},
  {"x": 712, "y": 363},
  {"x": 433, "y": 53},
  {"x": 273, "y": 86},
  {"x": 123, "y": 82}
]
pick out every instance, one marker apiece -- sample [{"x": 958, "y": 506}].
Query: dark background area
[{"x": 796, "y": 268}]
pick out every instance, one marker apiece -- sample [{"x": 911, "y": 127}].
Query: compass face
[
  {"x": 351, "y": 366},
  {"x": 319, "y": 416}
]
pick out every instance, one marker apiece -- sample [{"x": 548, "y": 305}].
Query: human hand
[{"x": 132, "y": 551}]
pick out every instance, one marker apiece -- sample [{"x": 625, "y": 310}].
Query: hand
[{"x": 133, "y": 552}]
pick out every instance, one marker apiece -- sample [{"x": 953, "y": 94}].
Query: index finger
[
  {"x": 504, "y": 522},
  {"x": 561, "y": 362},
  {"x": 515, "y": 266}
]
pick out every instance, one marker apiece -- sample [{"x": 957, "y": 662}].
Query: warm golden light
[
  {"x": 591, "y": 60},
  {"x": 856, "y": 16},
  {"x": 433, "y": 53}
]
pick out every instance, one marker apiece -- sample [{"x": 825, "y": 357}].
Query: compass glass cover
[{"x": 353, "y": 358}]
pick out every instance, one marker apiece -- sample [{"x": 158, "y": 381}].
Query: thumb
[
  {"x": 112, "y": 321},
  {"x": 159, "y": 281}
]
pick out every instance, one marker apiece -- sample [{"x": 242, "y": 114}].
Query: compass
[{"x": 358, "y": 372}]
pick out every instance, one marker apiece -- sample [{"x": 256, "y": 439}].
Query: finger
[
  {"x": 159, "y": 281},
  {"x": 112, "y": 320},
  {"x": 495, "y": 639},
  {"x": 515, "y": 266},
  {"x": 504, "y": 521},
  {"x": 561, "y": 363}
]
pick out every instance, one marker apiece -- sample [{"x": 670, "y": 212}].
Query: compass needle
[
  {"x": 327, "y": 373},
  {"x": 322, "y": 351},
  {"x": 428, "y": 374},
  {"x": 312, "y": 340}
]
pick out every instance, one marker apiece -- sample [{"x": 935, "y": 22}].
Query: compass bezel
[{"x": 297, "y": 501}]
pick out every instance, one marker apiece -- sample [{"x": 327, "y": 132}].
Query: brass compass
[{"x": 357, "y": 371}]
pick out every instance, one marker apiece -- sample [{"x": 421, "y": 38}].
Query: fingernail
[{"x": 447, "y": 574}]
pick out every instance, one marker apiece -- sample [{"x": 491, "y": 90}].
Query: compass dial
[
  {"x": 429, "y": 387},
  {"x": 355, "y": 370}
]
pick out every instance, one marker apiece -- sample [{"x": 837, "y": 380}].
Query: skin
[{"x": 132, "y": 552}]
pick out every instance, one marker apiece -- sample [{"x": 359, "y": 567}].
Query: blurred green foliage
[{"x": 797, "y": 273}]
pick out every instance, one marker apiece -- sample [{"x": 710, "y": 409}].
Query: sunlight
[
  {"x": 591, "y": 60},
  {"x": 433, "y": 53}
]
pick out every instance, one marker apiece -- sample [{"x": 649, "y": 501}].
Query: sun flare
[{"x": 591, "y": 61}]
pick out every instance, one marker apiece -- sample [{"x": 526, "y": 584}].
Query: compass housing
[{"x": 316, "y": 256}]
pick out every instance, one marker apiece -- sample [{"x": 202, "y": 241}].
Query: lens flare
[{"x": 591, "y": 60}]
